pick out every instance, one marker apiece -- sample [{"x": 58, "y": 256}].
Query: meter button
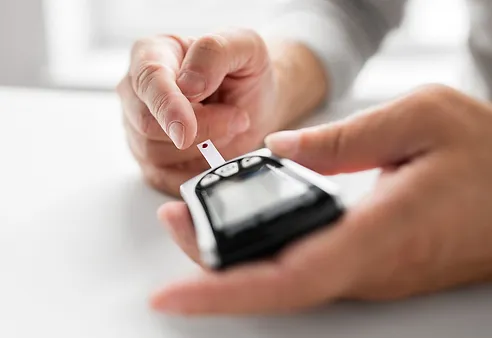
[
  {"x": 209, "y": 179},
  {"x": 250, "y": 161},
  {"x": 228, "y": 170}
]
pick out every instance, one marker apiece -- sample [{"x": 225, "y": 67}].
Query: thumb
[
  {"x": 381, "y": 137},
  {"x": 241, "y": 53}
]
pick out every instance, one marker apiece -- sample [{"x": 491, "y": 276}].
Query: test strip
[{"x": 211, "y": 154}]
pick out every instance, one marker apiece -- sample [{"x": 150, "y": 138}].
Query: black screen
[{"x": 244, "y": 196}]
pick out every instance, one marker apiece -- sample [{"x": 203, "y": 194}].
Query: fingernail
[
  {"x": 284, "y": 143},
  {"x": 239, "y": 124},
  {"x": 191, "y": 84},
  {"x": 176, "y": 132}
]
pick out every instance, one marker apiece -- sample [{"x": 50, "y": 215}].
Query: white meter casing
[{"x": 252, "y": 206}]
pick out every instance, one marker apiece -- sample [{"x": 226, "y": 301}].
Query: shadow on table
[{"x": 112, "y": 229}]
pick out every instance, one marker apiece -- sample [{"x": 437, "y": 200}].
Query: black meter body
[{"x": 252, "y": 206}]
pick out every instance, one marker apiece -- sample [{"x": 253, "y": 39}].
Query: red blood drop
[{"x": 205, "y": 146}]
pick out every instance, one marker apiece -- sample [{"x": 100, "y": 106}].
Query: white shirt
[{"x": 346, "y": 33}]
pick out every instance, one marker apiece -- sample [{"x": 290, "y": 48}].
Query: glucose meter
[{"x": 254, "y": 205}]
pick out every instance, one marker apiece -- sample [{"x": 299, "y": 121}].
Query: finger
[
  {"x": 176, "y": 217},
  {"x": 160, "y": 154},
  {"x": 137, "y": 114},
  {"x": 384, "y": 136},
  {"x": 169, "y": 179},
  {"x": 240, "y": 53},
  {"x": 250, "y": 289},
  {"x": 290, "y": 283},
  {"x": 390, "y": 226},
  {"x": 218, "y": 122},
  {"x": 154, "y": 65}
]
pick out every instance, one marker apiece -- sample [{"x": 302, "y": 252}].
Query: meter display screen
[{"x": 268, "y": 190}]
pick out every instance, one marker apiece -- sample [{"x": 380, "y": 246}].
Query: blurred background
[{"x": 84, "y": 44}]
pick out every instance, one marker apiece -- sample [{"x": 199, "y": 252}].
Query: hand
[
  {"x": 427, "y": 226},
  {"x": 222, "y": 87}
]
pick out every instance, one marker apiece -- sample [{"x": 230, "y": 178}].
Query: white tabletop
[{"x": 81, "y": 249}]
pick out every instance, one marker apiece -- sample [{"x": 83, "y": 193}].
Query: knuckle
[
  {"x": 437, "y": 90},
  {"x": 429, "y": 106},
  {"x": 248, "y": 34},
  {"x": 433, "y": 97},
  {"x": 147, "y": 151},
  {"x": 155, "y": 178},
  {"x": 159, "y": 106},
  {"x": 140, "y": 148},
  {"x": 148, "y": 126},
  {"x": 254, "y": 36},
  {"x": 451, "y": 112},
  {"x": 257, "y": 45},
  {"x": 251, "y": 32},
  {"x": 140, "y": 44},
  {"x": 214, "y": 44},
  {"x": 146, "y": 74}
]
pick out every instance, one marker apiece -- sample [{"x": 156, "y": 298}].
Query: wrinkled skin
[{"x": 179, "y": 92}]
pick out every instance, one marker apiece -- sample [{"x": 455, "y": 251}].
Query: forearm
[{"x": 302, "y": 83}]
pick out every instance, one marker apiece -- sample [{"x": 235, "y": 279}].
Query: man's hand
[
  {"x": 225, "y": 87},
  {"x": 427, "y": 226}
]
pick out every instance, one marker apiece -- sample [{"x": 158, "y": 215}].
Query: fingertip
[
  {"x": 180, "y": 123},
  {"x": 183, "y": 137},
  {"x": 171, "y": 212},
  {"x": 162, "y": 212},
  {"x": 177, "y": 298},
  {"x": 155, "y": 301},
  {"x": 284, "y": 143},
  {"x": 158, "y": 300}
]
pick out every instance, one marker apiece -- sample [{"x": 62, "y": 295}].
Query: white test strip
[{"x": 211, "y": 154}]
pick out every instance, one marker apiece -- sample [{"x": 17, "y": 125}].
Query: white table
[{"x": 80, "y": 248}]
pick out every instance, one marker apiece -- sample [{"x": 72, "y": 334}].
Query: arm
[
  {"x": 340, "y": 36},
  {"x": 235, "y": 89}
]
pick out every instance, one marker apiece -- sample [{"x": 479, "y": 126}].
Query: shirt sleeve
[
  {"x": 343, "y": 34},
  {"x": 480, "y": 43}
]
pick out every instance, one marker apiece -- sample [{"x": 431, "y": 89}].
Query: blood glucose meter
[{"x": 254, "y": 205}]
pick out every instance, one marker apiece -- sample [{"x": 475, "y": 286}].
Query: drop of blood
[{"x": 205, "y": 146}]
